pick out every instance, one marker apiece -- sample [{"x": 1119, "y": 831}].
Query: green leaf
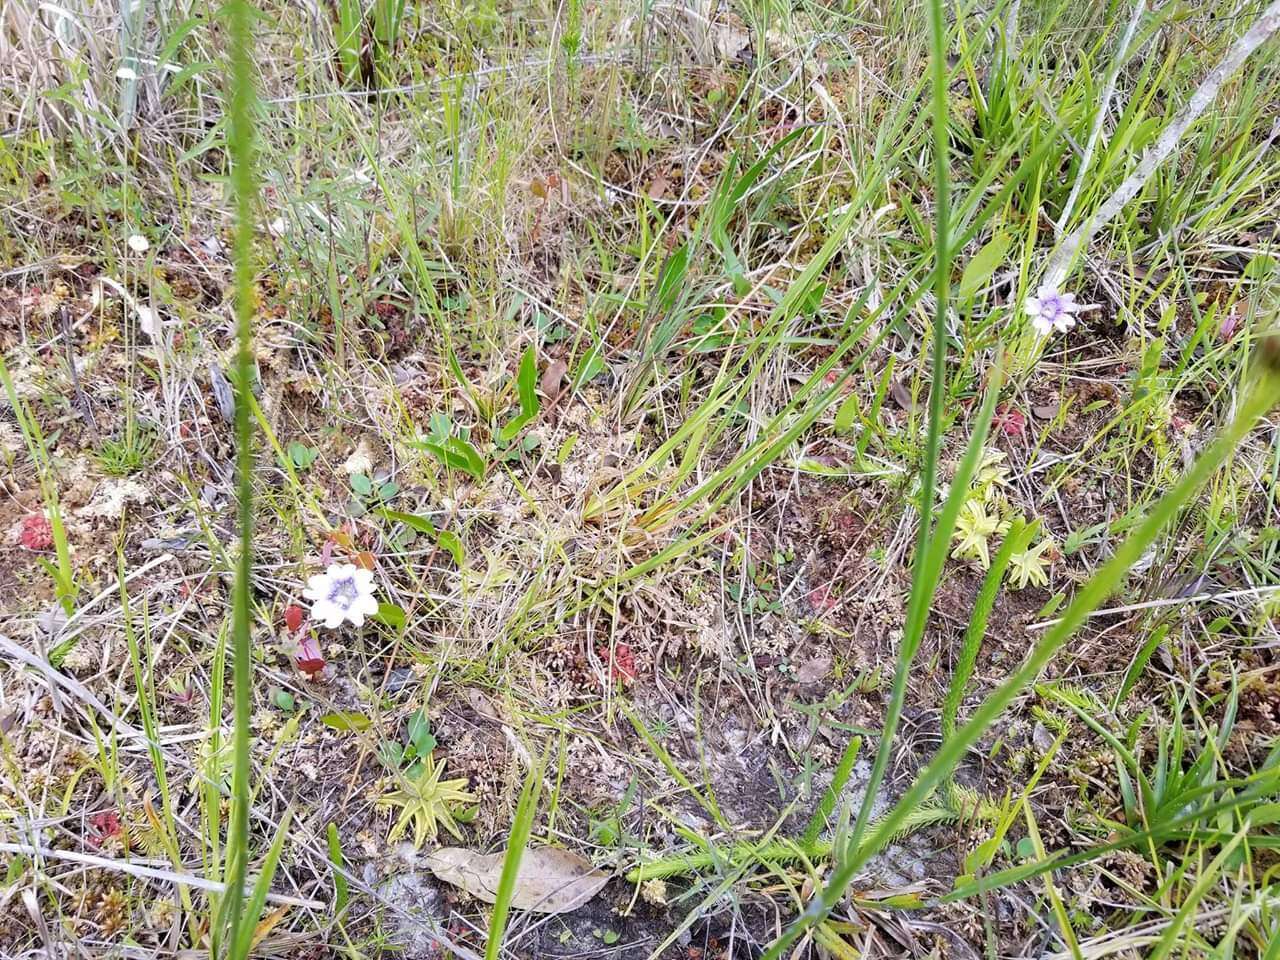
[
  {"x": 671, "y": 282},
  {"x": 984, "y": 264},
  {"x": 339, "y": 880},
  {"x": 450, "y": 542},
  {"x": 521, "y": 828},
  {"x": 361, "y": 484},
  {"x": 302, "y": 455},
  {"x": 420, "y": 734},
  {"x": 443, "y": 538},
  {"x": 346, "y": 721},
  {"x": 591, "y": 365},
  {"x": 455, "y": 453},
  {"x": 243, "y": 934},
  {"x": 527, "y": 389},
  {"x": 388, "y": 490},
  {"x": 527, "y": 383},
  {"x": 284, "y": 701},
  {"x": 391, "y": 614},
  {"x": 846, "y": 413}
]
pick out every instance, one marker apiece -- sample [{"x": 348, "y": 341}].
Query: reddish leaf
[
  {"x": 622, "y": 662},
  {"x": 821, "y": 598},
  {"x": 1011, "y": 421},
  {"x": 103, "y": 827},
  {"x": 309, "y": 658},
  {"x": 365, "y": 559},
  {"x": 293, "y": 617},
  {"x": 37, "y": 533}
]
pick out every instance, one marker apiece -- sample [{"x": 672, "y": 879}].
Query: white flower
[
  {"x": 1050, "y": 310},
  {"x": 138, "y": 243},
  {"x": 342, "y": 592}
]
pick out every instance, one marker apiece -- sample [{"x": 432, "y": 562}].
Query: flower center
[{"x": 344, "y": 592}]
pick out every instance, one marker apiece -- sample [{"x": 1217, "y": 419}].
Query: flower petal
[
  {"x": 356, "y": 617},
  {"x": 316, "y": 588},
  {"x": 366, "y": 605},
  {"x": 1032, "y": 306},
  {"x": 364, "y": 578},
  {"x": 325, "y": 610}
]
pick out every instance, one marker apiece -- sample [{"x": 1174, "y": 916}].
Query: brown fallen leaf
[
  {"x": 819, "y": 668},
  {"x": 482, "y": 705},
  {"x": 901, "y": 395},
  {"x": 552, "y": 377},
  {"x": 551, "y": 880},
  {"x": 1045, "y": 411}
]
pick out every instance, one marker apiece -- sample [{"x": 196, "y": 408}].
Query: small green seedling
[{"x": 301, "y": 455}]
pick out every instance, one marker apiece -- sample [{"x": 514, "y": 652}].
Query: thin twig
[
  {"x": 1166, "y": 602},
  {"x": 1091, "y": 144},
  {"x": 136, "y": 869}
]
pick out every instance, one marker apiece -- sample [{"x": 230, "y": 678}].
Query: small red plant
[
  {"x": 36, "y": 533},
  {"x": 622, "y": 662},
  {"x": 293, "y": 617},
  {"x": 103, "y": 826},
  {"x": 310, "y": 659},
  {"x": 822, "y": 599},
  {"x": 1012, "y": 422}
]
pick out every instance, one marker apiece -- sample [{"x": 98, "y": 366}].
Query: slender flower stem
[
  {"x": 920, "y": 591},
  {"x": 240, "y": 143}
]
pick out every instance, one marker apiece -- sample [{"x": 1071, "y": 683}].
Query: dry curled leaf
[
  {"x": 552, "y": 377},
  {"x": 551, "y": 880},
  {"x": 819, "y": 668},
  {"x": 481, "y": 705},
  {"x": 901, "y": 395}
]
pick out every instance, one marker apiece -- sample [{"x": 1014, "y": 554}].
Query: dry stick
[
  {"x": 1122, "y": 51},
  {"x": 1165, "y": 602},
  {"x": 136, "y": 869},
  {"x": 1206, "y": 93}
]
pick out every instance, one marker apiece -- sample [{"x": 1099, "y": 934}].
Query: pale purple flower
[
  {"x": 343, "y": 592},
  {"x": 1052, "y": 311}
]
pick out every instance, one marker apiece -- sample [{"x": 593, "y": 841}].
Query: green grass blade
[
  {"x": 521, "y": 828},
  {"x": 1018, "y": 538},
  {"x": 243, "y": 942},
  {"x": 336, "y": 858}
]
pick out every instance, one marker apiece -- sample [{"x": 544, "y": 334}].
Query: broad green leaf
[
  {"x": 979, "y": 270},
  {"x": 527, "y": 383},
  {"x": 346, "y": 721},
  {"x": 846, "y": 413},
  {"x": 392, "y": 615},
  {"x": 455, "y": 453}
]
